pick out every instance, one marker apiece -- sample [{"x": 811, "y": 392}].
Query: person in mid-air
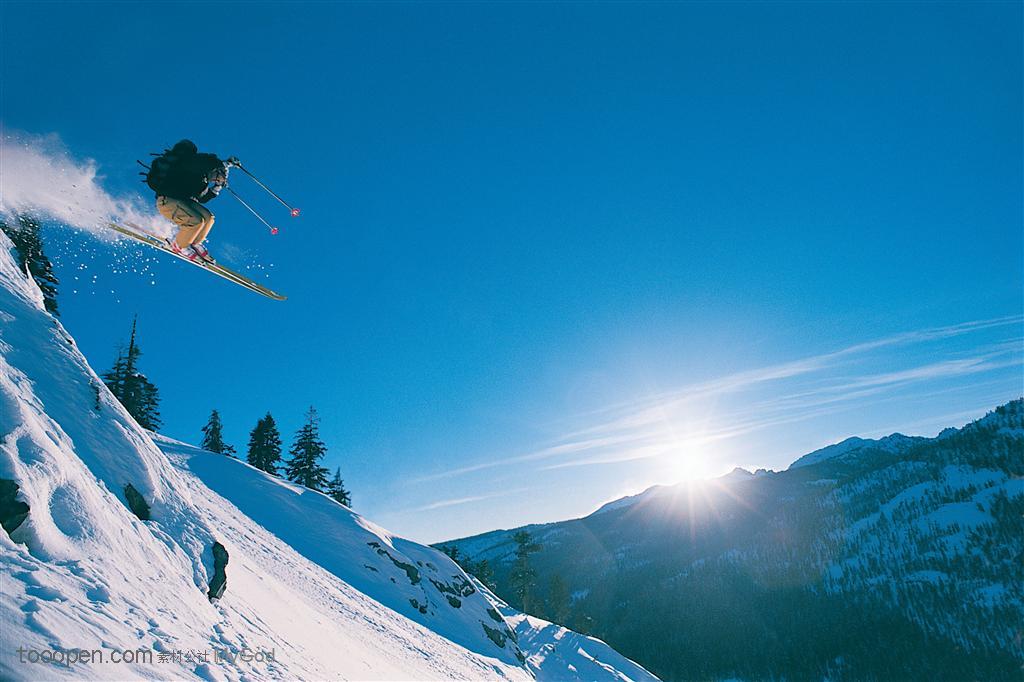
[{"x": 184, "y": 180}]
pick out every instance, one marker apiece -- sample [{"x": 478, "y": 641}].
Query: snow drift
[{"x": 314, "y": 591}]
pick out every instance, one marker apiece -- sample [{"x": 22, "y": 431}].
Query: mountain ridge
[{"x": 917, "y": 538}]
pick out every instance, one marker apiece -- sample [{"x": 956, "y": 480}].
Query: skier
[{"x": 184, "y": 180}]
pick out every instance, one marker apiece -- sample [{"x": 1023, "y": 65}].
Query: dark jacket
[{"x": 190, "y": 174}]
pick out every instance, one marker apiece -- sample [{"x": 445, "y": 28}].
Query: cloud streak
[
  {"x": 454, "y": 502},
  {"x": 665, "y": 422}
]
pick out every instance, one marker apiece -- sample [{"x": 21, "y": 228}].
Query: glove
[
  {"x": 218, "y": 176},
  {"x": 232, "y": 162}
]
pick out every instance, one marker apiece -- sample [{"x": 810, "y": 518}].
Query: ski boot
[
  {"x": 187, "y": 252},
  {"x": 202, "y": 254}
]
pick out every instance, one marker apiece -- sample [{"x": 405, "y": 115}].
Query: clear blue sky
[{"x": 537, "y": 238}]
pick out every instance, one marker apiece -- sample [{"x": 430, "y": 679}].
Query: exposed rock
[
  {"x": 13, "y": 511},
  {"x": 219, "y": 582},
  {"x": 461, "y": 588},
  {"x": 136, "y": 502},
  {"x": 495, "y": 636},
  {"x": 410, "y": 570}
]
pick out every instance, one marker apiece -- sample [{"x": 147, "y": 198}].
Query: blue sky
[{"x": 553, "y": 253}]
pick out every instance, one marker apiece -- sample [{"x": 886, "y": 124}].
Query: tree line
[{"x": 141, "y": 399}]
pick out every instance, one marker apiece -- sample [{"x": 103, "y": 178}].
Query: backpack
[{"x": 158, "y": 172}]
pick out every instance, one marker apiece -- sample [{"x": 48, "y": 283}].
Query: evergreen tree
[
  {"x": 558, "y": 600},
  {"x": 336, "y": 489},
  {"x": 483, "y": 572},
  {"x": 523, "y": 575},
  {"x": 29, "y": 245},
  {"x": 132, "y": 389},
  {"x": 307, "y": 451},
  {"x": 453, "y": 553},
  {"x": 114, "y": 377},
  {"x": 213, "y": 436},
  {"x": 265, "y": 445}
]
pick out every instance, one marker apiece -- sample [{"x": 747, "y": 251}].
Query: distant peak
[
  {"x": 627, "y": 501},
  {"x": 894, "y": 442}
]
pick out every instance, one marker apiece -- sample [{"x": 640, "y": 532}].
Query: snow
[
  {"x": 557, "y": 654},
  {"x": 624, "y": 502},
  {"x": 314, "y": 591},
  {"x": 40, "y": 177},
  {"x": 892, "y": 443},
  {"x": 341, "y": 542}
]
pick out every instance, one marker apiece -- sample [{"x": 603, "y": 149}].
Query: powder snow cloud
[{"x": 39, "y": 176}]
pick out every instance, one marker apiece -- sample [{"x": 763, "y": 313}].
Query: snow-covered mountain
[
  {"x": 118, "y": 543},
  {"x": 895, "y": 558},
  {"x": 853, "y": 446}
]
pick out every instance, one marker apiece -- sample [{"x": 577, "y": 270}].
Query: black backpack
[{"x": 159, "y": 173}]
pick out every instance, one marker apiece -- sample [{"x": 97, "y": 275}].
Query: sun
[{"x": 686, "y": 461}]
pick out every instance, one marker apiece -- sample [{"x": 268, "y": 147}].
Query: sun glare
[{"x": 686, "y": 462}]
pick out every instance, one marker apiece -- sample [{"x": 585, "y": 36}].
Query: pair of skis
[{"x": 140, "y": 235}]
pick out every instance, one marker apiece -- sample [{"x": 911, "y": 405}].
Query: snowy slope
[
  {"x": 557, "y": 654},
  {"x": 328, "y": 593},
  {"x": 418, "y": 582},
  {"x": 348, "y": 546}
]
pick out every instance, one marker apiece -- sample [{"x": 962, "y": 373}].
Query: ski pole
[
  {"x": 273, "y": 230},
  {"x": 294, "y": 211}
]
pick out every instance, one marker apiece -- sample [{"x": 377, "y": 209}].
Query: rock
[
  {"x": 13, "y": 511},
  {"x": 136, "y": 502},
  {"x": 219, "y": 582},
  {"x": 495, "y": 636}
]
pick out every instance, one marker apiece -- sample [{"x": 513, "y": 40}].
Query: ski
[{"x": 144, "y": 237}]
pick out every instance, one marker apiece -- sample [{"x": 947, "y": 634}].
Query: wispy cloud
[
  {"x": 653, "y": 408},
  {"x": 808, "y": 388},
  {"x": 453, "y": 502}
]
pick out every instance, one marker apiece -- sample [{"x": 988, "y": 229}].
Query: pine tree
[
  {"x": 453, "y": 553},
  {"x": 29, "y": 245},
  {"x": 132, "y": 389},
  {"x": 523, "y": 575},
  {"x": 482, "y": 571},
  {"x": 114, "y": 377},
  {"x": 213, "y": 436},
  {"x": 336, "y": 489},
  {"x": 558, "y": 600},
  {"x": 307, "y": 451},
  {"x": 265, "y": 445}
]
